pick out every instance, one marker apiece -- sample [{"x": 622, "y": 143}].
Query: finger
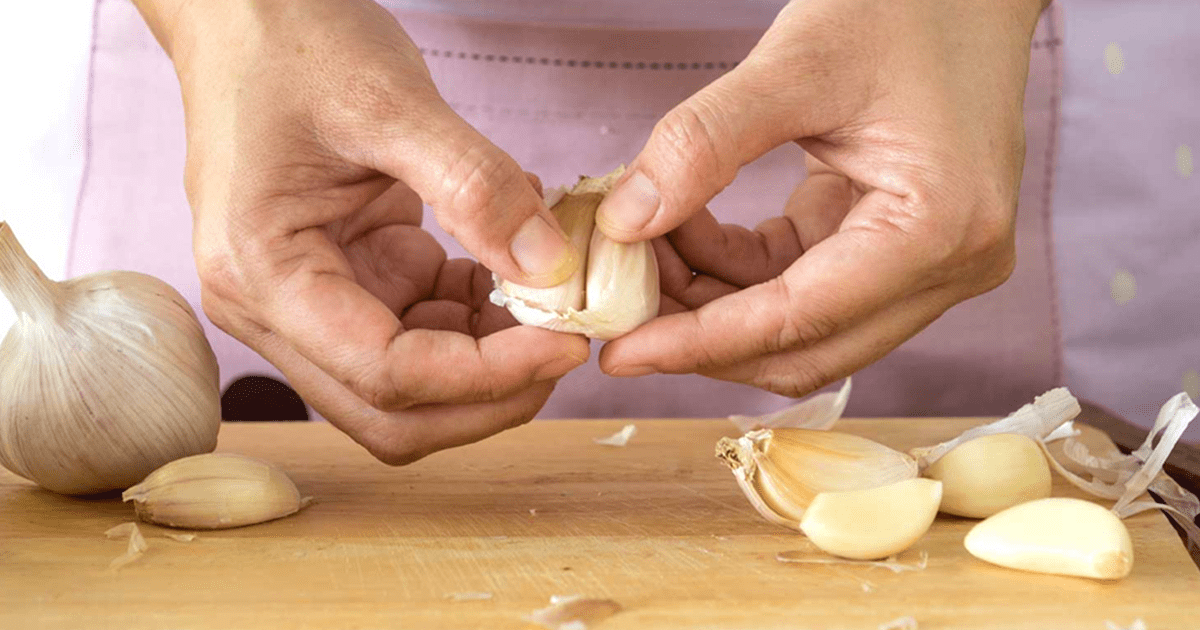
[
  {"x": 402, "y": 437},
  {"x": 696, "y": 150},
  {"x": 677, "y": 282},
  {"x": 800, "y": 372},
  {"x": 478, "y": 193},
  {"x": 734, "y": 254},
  {"x": 870, "y": 263}
]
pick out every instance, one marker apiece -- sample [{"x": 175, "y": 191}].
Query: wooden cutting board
[{"x": 659, "y": 526}]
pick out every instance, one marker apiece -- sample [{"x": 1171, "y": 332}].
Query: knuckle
[
  {"x": 692, "y": 136},
  {"x": 795, "y": 331},
  {"x": 794, "y": 379},
  {"x": 396, "y": 452},
  {"x": 476, "y": 180}
]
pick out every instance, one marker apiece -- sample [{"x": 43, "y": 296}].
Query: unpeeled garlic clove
[
  {"x": 873, "y": 523},
  {"x": 615, "y": 291},
  {"x": 214, "y": 491},
  {"x": 1059, "y": 535},
  {"x": 988, "y": 474},
  {"x": 782, "y": 470}
]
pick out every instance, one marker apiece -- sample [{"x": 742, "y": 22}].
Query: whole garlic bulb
[
  {"x": 103, "y": 378},
  {"x": 613, "y": 293}
]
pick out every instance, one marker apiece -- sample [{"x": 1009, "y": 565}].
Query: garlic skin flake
[
  {"x": 615, "y": 291},
  {"x": 1058, "y": 535},
  {"x": 991, "y": 473},
  {"x": 782, "y": 470},
  {"x": 103, "y": 378},
  {"x": 215, "y": 491},
  {"x": 873, "y": 523}
]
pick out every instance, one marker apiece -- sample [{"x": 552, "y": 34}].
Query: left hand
[{"x": 911, "y": 114}]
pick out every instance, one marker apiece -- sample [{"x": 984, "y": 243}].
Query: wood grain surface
[{"x": 658, "y": 526}]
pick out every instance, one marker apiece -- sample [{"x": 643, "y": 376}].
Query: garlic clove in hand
[
  {"x": 873, "y": 523},
  {"x": 1058, "y": 535},
  {"x": 215, "y": 491},
  {"x": 988, "y": 474},
  {"x": 781, "y": 471},
  {"x": 613, "y": 293},
  {"x": 103, "y": 378}
]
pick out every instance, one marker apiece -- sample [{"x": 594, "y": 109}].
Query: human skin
[
  {"x": 315, "y": 133},
  {"x": 910, "y": 115}
]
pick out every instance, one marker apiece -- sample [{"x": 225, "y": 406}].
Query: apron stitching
[
  {"x": 577, "y": 63},
  {"x": 1048, "y": 190}
]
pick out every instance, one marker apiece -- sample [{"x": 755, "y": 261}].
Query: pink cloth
[{"x": 543, "y": 93}]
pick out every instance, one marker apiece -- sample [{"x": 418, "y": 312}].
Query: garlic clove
[
  {"x": 576, "y": 214},
  {"x": 615, "y": 291},
  {"x": 988, "y": 474},
  {"x": 782, "y": 470},
  {"x": 1062, "y": 536},
  {"x": 214, "y": 491},
  {"x": 873, "y": 523}
]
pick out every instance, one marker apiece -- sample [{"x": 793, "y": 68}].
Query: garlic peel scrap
[
  {"x": 574, "y": 612},
  {"x": 615, "y": 291},
  {"x": 1125, "y": 478},
  {"x": 891, "y": 563},
  {"x": 136, "y": 546},
  {"x": 620, "y": 438},
  {"x": 820, "y": 412},
  {"x": 1035, "y": 420},
  {"x": 901, "y": 623}
]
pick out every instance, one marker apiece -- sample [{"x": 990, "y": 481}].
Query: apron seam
[
  {"x": 88, "y": 123},
  {"x": 1054, "y": 44}
]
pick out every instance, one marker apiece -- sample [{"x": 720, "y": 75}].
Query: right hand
[{"x": 314, "y": 133}]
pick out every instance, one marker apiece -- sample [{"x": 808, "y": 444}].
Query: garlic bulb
[
  {"x": 613, "y": 293},
  {"x": 781, "y": 471},
  {"x": 215, "y": 491},
  {"x": 103, "y": 378}
]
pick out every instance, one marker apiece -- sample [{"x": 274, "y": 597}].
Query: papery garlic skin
[
  {"x": 782, "y": 470},
  {"x": 214, "y": 491},
  {"x": 991, "y": 473},
  {"x": 103, "y": 378},
  {"x": 615, "y": 291},
  {"x": 873, "y": 523},
  {"x": 1058, "y": 535}
]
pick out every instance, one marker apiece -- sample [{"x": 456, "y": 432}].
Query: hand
[
  {"x": 314, "y": 132},
  {"x": 911, "y": 115}
]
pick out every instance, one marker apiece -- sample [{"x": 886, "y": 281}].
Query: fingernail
[
  {"x": 543, "y": 252},
  {"x": 631, "y": 206},
  {"x": 633, "y": 370}
]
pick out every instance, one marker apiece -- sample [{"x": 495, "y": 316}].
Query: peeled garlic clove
[
  {"x": 782, "y": 470},
  {"x": 214, "y": 491},
  {"x": 873, "y": 523},
  {"x": 1062, "y": 536},
  {"x": 991, "y": 473},
  {"x": 613, "y": 292},
  {"x": 103, "y": 378}
]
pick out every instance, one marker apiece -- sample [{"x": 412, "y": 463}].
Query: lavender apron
[{"x": 565, "y": 101}]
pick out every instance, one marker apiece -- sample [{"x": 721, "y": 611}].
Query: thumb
[
  {"x": 481, "y": 197},
  {"x": 694, "y": 152}
]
